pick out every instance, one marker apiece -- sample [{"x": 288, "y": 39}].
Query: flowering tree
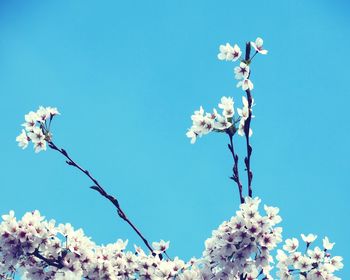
[{"x": 240, "y": 248}]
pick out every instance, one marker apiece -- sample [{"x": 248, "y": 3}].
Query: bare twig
[
  {"x": 235, "y": 172},
  {"x": 97, "y": 187}
]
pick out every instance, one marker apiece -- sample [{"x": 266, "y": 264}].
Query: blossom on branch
[
  {"x": 244, "y": 114},
  {"x": 37, "y": 128},
  {"x": 203, "y": 123}
]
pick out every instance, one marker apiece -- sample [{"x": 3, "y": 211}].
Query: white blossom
[
  {"x": 227, "y": 106},
  {"x": 52, "y": 111},
  {"x": 222, "y": 123},
  {"x": 30, "y": 120},
  {"x": 336, "y": 263},
  {"x": 23, "y": 139},
  {"x": 291, "y": 245},
  {"x": 241, "y": 71},
  {"x": 39, "y": 146},
  {"x": 229, "y": 53},
  {"x": 309, "y": 238},
  {"x": 241, "y": 129},
  {"x": 327, "y": 244},
  {"x": 316, "y": 254},
  {"x": 43, "y": 114},
  {"x": 304, "y": 264},
  {"x": 258, "y": 46},
  {"x": 246, "y": 84},
  {"x": 161, "y": 246},
  {"x": 243, "y": 113},
  {"x": 36, "y": 135},
  {"x": 192, "y": 134}
]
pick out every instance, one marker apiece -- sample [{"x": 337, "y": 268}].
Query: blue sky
[{"x": 127, "y": 75}]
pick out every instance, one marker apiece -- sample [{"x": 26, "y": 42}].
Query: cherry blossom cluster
[
  {"x": 204, "y": 122},
  {"x": 41, "y": 250},
  {"x": 37, "y": 128},
  {"x": 241, "y": 246},
  {"x": 242, "y": 72},
  {"x": 314, "y": 264},
  {"x": 239, "y": 249}
]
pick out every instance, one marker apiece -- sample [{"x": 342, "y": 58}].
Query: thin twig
[
  {"x": 97, "y": 187},
  {"x": 235, "y": 175}
]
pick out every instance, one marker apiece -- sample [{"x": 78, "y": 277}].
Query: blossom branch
[
  {"x": 235, "y": 175},
  {"x": 247, "y": 128},
  {"x": 97, "y": 187}
]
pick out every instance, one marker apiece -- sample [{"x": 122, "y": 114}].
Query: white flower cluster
[
  {"x": 242, "y": 72},
  {"x": 239, "y": 249},
  {"x": 203, "y": 123},
  {"x": 316, "y": 264},
  {"x": 37, "y": 128},
  {"x": 242, "y": 245},
  {"x": 66, "y": 253}
]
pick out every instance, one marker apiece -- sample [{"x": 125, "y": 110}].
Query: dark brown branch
[
  {"x": 235, "y": 175},
  {"x": 247, "y": 129},
  {"x": 51, "y": 262},
  {"x": 97, "y": 187}
]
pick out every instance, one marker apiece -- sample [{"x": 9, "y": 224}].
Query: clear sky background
[{"x": 127, "y": 75}]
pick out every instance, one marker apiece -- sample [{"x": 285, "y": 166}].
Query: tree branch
[
  {"x": 55, "y": 263},
  {"x": 97, "y": 187},
  {"x": 247, "y": 129}
]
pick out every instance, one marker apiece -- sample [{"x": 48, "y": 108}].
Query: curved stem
[
  {"x": 250, "y": 60},
  {"x": 97, "y": 187}
]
